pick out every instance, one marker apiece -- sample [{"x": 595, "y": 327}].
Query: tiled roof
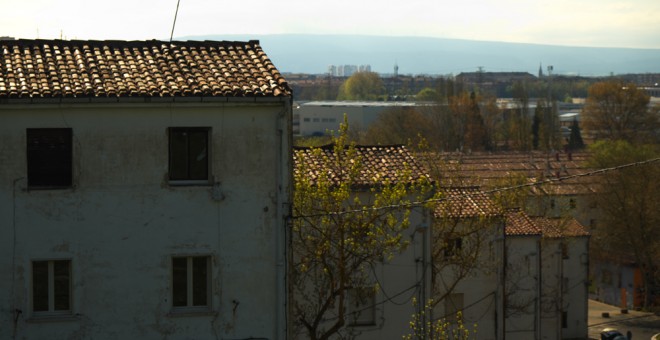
[
  {"x": 378, "y": 164},
  {"x": 520, "y": 224},
  {"x": 463, "y": 202},
  {"x": 500, "y": 169},
  {"x": 60, "y": 68},
  {"x": 560, "y": 227}
]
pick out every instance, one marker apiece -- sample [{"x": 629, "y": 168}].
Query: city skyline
[{"x": 589, "y": 23}]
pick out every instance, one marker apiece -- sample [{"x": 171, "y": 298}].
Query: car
[{"x": 612, "y": 334}]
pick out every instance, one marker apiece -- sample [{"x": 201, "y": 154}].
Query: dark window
[
  {"x": 564, "y": 319},
  {"x": 49, "y": 157},
  {"x": 191, "y": 279},
  {"x": 453, "y": 245},
  {"x": 189, "y": 155},
  {"x": 362, "y": 306},
  {"x": 51, "y": 286}
]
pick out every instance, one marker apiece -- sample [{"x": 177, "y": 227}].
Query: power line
[
  {"x": 176, "y": 13},
  {"x": 496, "y": 190}
]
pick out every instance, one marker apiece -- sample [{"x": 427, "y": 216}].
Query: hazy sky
[{"x": 602, "y": 23}]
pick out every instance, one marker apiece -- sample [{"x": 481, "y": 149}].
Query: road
[{"x": 642, "y": 325}]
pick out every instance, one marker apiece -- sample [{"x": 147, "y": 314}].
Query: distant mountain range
[{"x": 300, "y": 53}]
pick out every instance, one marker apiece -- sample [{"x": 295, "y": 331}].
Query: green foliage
[
  {"x": 519, "y": 124},
  {"x": 536, "y": 126},
  {"x": 339, "y": 233},
  {"x": 362, "y": 86},
  {"x": 398, "y": 126},
  {"x": 575, "y": 141},
  {"x": 423, "y": 326},
  {"x": 466, "y": 122},
  {"x": 545, "y": 127},
  {"x": 427, "y": 94},
  {"x": 513, "y": 198},
  {"x": 312, "y": 141},
  {"x": 629, "y": 224},
  {"x": 617, "y": 110}
]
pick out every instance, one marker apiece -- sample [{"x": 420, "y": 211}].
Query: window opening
[
  {"x": 362, "y": 306},
  {"x": 191, "y": 278},
  {"x": 189, "y": 155},
  {"x": 51, "y": 286},
  {"x": 49, "y": 157}
]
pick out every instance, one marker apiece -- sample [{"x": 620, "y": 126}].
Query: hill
[{"x": 300, "y": 53}]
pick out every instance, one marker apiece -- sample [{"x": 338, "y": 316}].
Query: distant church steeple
[
  {"x": 396, "y": 70},
  {"x": 540, "y": 70}
]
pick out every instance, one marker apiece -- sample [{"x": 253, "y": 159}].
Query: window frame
[
  {"x": 453, "y": 245},
  {"x": 190, "y": 307},
  {"x": 188, "y": 180},
  {"x": 51, "y": 289},
  {"x": 66, "y": 163},
  {"x": 367, "y": 305}
]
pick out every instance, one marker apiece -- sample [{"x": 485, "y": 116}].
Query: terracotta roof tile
[
  {"x": 497, "y": 169},
  {"x": 463, "y": 202},
  {"x": 379, "y": 164},
  {"x": 59, "y": 68},
  {"x": 558, "y": 227},
  {"x": 520, "y": 224}
]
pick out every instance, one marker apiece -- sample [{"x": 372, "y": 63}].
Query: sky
[{"x": 592, "y": 23}]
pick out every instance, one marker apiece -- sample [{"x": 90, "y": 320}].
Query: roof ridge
[{"x": 33, "y": 68}]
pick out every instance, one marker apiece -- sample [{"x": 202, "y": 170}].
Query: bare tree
[
  {"x": 348, "y": 217},
  {"x": 630, "y": 223},
  {"x": 616, "y": 110}
]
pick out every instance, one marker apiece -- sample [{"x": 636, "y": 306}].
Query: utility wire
[
  {"x": 514, "y": 187},
  {"x": 174, "y": 23}
]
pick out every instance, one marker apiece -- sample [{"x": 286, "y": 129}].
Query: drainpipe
[
  {"x": 503, "y": 290},
  {"x": 424, "y": 287},
  {"x": 284, "y": 155},
  {"x": 539, "y": 291},
  {"x": 16, "y": 312},
  {"x": 560, "y": 329}
]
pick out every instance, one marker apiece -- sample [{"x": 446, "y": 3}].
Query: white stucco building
[
  {"x": 318, "y": 118},
  {"x": 384, "y": 307},
  {"x": 514, "y": 276},
  {"x": 143, "y": 190}
]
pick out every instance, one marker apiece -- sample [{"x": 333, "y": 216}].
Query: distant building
[
  {"x": 318, "y": 118},
  {"x": 493, "y": 77},
  {"x": 347, "y": 70},
  {"x": 642, "y": 79}
]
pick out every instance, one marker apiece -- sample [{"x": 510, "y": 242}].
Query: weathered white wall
[
  {"x": 522, "y": 281},
  {"x": 482, "y": 288},
  {"x": 122, "y": 222},
  {"x": 401, "y": 280},
  {"x": 551, "y": 293},
  {"x": 584, "y": 211},
  {"x": 576, "y": 270}
]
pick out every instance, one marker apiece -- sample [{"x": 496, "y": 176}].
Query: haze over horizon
[
  {"x": 310, "y": 53},
  {"x": 588, "y": 23}
]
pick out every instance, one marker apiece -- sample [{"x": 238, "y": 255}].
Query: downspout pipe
[{"x": 284, "y": 206}]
